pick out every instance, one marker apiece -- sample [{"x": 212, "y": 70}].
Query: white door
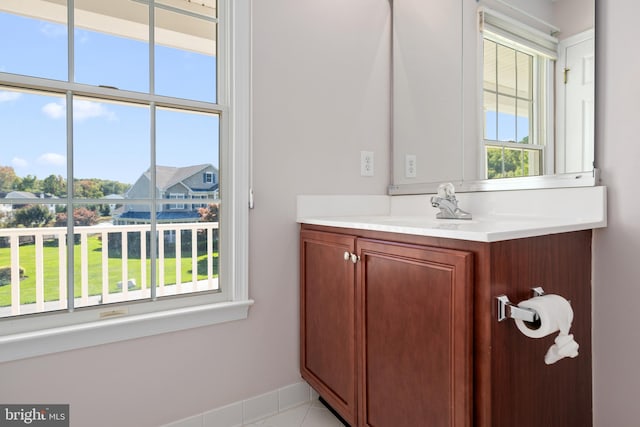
[{"x": 575, "y": 91}]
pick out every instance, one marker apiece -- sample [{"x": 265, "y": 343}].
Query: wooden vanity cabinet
[
  {"x": 408, "y": 336},
  {"x": 386, "y": 329}
]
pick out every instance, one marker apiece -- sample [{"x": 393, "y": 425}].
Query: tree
[
  {"x": 32, "y": 216},
  {"x": 81, "y": 216},
  {"x": 8, "y": 178},
  {"x": 54, "y": 184},
  {"x": 507, "y": 163},
  {"x": 210, "y": 213},
  {"x": 112, "y": 187},
  {"x": 87, "y": 189},
  {"x": 29, "y": 183}
]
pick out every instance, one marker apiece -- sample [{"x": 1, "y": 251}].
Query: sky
[
  {"x": 508, "y": 127},
  {"x": 111, "y": 141}
]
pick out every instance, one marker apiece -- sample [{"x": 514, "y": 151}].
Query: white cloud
[
  {"x": 82, "y": 110},
  {"x": 52, "y": 159},
  {"x": 9, "y": 96},
  {"x": 53, "y": 30},
  {"x": 87, "y": 109},
  {"x": 55, "y": 110},
  {"x": 19, "y": 162}
]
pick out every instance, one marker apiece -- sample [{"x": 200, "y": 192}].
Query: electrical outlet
[
  {"x": 366, "y": 163},
  {"x": 410, "y": 166}
]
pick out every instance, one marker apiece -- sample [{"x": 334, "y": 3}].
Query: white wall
[
  {"x": 616, "y": 291},
  {"x": 321, "y": 94}
]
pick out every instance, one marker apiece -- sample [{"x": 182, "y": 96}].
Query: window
[
  {"x": 516, "y": 99},
  {"x": 177, "y": 197},
  {"x": 209, "y": 178},
  {"x": 199, "y": 205},
  {"x": 105, "y": 108}
]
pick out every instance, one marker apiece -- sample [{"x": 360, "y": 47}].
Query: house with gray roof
[
  {"x": 18, "y": 196},
  {"x": 183, "y": 188}
]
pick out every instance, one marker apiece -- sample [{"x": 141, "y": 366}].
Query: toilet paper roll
[{"x": 555, "y": 315}]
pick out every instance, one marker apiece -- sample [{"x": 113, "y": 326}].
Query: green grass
[{"x": 51, "y": 276}]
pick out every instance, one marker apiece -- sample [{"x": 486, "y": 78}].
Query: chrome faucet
[{"x": 448, "y": 204}]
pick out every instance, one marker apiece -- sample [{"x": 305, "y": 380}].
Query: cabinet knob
[{"x": 349, "y": 256}]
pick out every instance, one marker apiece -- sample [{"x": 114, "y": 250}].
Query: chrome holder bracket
[{"x": 508, "y": 310}]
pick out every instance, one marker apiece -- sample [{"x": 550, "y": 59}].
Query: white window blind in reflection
[{"x": 512, "y": 30}]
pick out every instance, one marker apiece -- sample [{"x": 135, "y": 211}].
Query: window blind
[{"x": 511, "y": 30}]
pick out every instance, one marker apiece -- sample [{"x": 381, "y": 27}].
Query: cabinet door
[
  {"x": 327, "y": 319},
  {"x": 415, "y": 314}
]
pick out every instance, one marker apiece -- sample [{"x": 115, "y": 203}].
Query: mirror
[{"x": 493, "y": 94}]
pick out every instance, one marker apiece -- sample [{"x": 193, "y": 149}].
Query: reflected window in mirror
[
  {"x": 517, "y": 67},
  {"x": 515, "y": 104}
]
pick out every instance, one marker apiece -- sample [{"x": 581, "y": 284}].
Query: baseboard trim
[{"x": 252, "y": 409}]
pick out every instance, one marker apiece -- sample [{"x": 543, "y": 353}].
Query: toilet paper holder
[{"x": 508, "y": 310}]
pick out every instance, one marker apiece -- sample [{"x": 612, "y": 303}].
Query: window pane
[
  {"x": 494, "y": 162},
  {"x": 32, "y": 262},
  {"x": 523, "y": 122},
  {"x": 506, "y": 119},
  {"x": 506, "y": 70},
  {"x": 112, "y": 44},
  {"x": 111, "y": 262},
  {"x": 532, "y": 162},
  {"x": 34, "y": 47},
  {"x": 33, "y": 169},
  {"x": 489, "y": 74},
  {"x": 525, "y": 73},
  {"x": 111, "y": 149},
  {"x": 188, "y": 251},
  {"x": 189, "y": 141},
  {"x": 33, "y": 153},
  {"x": 490, "y": 116},
  {"x": 188, "y": 180},
  {"x": 503, "y": 162},
  {"x": 185, "y": 51}
]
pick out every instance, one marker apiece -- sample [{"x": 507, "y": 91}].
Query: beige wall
[
  {"x": 321, "y": 94},
  {"x": 616, "y": 291},
  {"x": 573, "y": 16}
]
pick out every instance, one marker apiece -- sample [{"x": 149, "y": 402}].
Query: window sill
[{"x": 47, "y": 341}]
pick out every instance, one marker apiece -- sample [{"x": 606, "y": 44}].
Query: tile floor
[{"x": 312, "y": 414}]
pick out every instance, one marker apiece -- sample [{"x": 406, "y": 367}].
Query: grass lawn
[{"x": 51, "y": 276}]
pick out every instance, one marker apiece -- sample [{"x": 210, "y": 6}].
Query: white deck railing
[{"x": 172, "y": 232}]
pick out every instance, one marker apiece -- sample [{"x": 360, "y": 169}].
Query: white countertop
[
  {"x": 496, "y": 215},
  {"x": 491, "y": 229}
]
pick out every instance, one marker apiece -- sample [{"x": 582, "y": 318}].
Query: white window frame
[
  {"x": 208, "y": 178},
  {"x": 176, "y": 196},
  {"x": 46, "y": 333}
]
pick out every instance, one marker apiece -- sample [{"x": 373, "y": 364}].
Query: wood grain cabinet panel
[
  {"x": 327, "y": 319},
  {"x": 408, "y": 336},
  {"x": 414, "y": 313}
]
